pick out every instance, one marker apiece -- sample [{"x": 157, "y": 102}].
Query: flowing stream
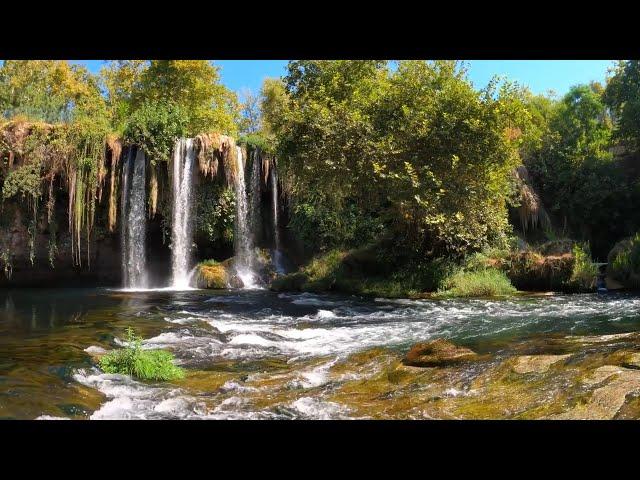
[{"x": 257, "y": 354}]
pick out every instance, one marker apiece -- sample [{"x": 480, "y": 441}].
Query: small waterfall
[
  {"x": 256, "y": 224},
  {"x": 133, "y": 228},
  {"x": 277, "y": 254},
  {"x": 184, "y": 157},
  {"x": 243, "y": 239}
]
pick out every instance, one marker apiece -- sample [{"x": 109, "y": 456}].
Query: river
[{"x": 264, "y": 355}]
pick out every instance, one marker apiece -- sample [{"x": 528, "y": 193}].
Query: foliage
[
  {"x": 487, "y": 282},
  {"x": 371, "y": 270},
  {"x": 155, "y": 126},
  {"x": 624, "y": 262},
  {"x": 250, "y": 112},
  {"x": 215, "y": 213},
  {"x": 194, "y": 86},
  {"x": 46, "y": 90},
  {"x": 583, "y": 276},
  {"x": 433, "y": 153},
  {"x": 572, "y": 167},
  {"x": 623, "y": 97},
  {"x": 121, "y": 78},
  {"x": 143, "y": 364}
]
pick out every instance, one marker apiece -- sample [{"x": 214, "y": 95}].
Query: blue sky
[{"x": 539, "y": 75}]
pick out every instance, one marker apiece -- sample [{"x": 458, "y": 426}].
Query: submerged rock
[{"x": 437, "y": 353}]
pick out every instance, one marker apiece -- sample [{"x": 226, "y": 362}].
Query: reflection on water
[{"x": 252, "y": 354}]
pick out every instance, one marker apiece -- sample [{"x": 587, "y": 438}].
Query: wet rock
[
  {"x": 607, "y": 399},
  {"x": 536, "y": 363},
  {"x": 437, "y": 353},
  {"x": 632, "y": 361},
  {"x": 212, "y": 276},
  {"x": 602, "y": 338}
]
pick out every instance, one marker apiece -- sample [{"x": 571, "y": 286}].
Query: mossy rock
[
  {"x": 624, "y": 262},
  {"x": 212, "y": 276},
  {"x": 291, "y": 282},
  {"x": 530, "y": 270},
  {"x": 437, "y": 353}
]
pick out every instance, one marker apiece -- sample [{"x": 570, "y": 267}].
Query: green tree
[
  {"x": 415, "y": 153},
  {"x": 48, "y": 90},
  {"x": 194, "y": 86}
]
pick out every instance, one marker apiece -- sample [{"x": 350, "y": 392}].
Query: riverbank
[{"x": 377, "y": 271}]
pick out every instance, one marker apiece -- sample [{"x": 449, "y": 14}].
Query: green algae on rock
[{"x": 437, "y": 353}]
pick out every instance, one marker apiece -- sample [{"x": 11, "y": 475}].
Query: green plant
[
  {"x": 583, "y": 275},
  {"x": 144, "y": 364},
  {"x": 624, "y": 262},
  {"x": 480, "y": 283}
]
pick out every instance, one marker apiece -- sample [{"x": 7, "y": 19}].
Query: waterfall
[
  {"x": 242, "y": 237},
  {"x": 256, "y": 224},
  {"x": 184, "y": 156},
  {"x": 133, "y": 222},
  {"x": 277, "y": 254}
]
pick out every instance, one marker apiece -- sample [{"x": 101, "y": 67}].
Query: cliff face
[
  {"x": 48, "y": 263},
  {"x": 60, "y": 209}
]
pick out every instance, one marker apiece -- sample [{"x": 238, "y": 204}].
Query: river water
[{"x": 261, "y": 355}]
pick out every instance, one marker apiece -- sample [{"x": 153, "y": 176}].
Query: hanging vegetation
[
  {"x": 531, "y": 211},
  {"x": 115, "y": 146}
]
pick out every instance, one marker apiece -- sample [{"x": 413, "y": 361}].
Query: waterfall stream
[
  {"x": 243, "y": 237},
  {"x": 184, "y": 156},
  {"x": 133, "y": 223},
  {"x": 277, "y": 253}
]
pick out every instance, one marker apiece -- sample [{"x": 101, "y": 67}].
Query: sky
[{"x": 539, "y": 75}]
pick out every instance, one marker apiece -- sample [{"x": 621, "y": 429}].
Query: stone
[
  {"x": 536, "y": 363},
  {"x": 607, "y": 399},
  {"x": 437, "y": 353}
]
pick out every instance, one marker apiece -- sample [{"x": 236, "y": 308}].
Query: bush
[
  {"x": 143, "y": 364},
  {"x": 480, "y": 283},
  {"x": 155, "y": 127},
  {"x": 530, "y": 270},
  {"x": 215, "y": 213},
  {"x": 584, "y": 273},
  {"x": 370, "y": 271},
  {"x": 624, "y": 262}
]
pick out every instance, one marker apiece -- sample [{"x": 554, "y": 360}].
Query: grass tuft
[
  {"x": 480, "y": 283},
  {"x": 143, "y": 364}
]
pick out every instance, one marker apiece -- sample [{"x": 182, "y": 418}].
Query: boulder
[
  {"x": 536, "y": 363},
  {"x": 212, "y": 276},
  {"x": 437, "y": 353}
]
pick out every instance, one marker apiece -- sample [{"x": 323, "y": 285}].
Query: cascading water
[
  {"x": 133, "y": 223},
  {"x": 184, "y": 156},
  {"x": 243, "y": 238},
  {"x": 256, "y": 224},
  {"x": 277, "y": 254}
]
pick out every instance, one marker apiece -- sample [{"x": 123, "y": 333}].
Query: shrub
[
  {"x": 143, "y": 364},
  {"x": 529, "y": 270},
  {"x": 624, "y": 262},
  {"x": 583, "y": 275}
]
